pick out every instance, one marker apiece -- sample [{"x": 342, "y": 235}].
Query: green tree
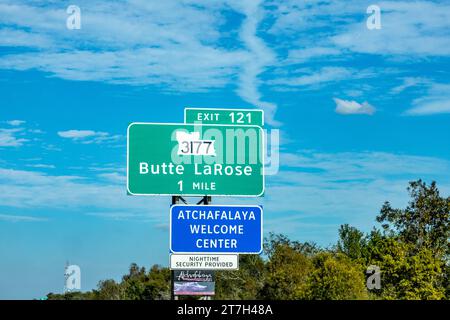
[
  {"x": 425, "y": 222},
  {"x": 157, "y": 284},
  {"x": 109, "y": 290},
  {"x": 419, "y": 236},
  {"x": 244, "y": 283},
  {"x": 352, "y": 242},
  {"x": 139, "y": 285},
  {"x": 406, "y": 275},
  {"x": 133, "y": 283},
  {"x": 335, "y": 277},
  {"x": 76, "y": 295},
  {"x": 287, "y": 269},
  {"x": 412, "y": 251}
]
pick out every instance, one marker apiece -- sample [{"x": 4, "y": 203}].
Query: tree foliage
[
  {"x": 335, "y": 277},
  {"x": 411, "y": 249},
  {"x": 244, "y": 283}
]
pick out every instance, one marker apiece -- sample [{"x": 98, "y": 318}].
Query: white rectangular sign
[{"x": 204, "y": 261}]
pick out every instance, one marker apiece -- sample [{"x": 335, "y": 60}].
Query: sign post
[
  {"x": 175, "y": 200},
  {"x": 216, "y": 152}
]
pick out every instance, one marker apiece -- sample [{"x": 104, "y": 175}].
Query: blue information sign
[{"x": 216, "y": 229}]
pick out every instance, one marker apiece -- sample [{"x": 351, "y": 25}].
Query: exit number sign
[{"x": 224, "y": 116}]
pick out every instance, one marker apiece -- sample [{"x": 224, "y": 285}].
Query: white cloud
[
  {"x": 89, "y": 136},
  {"x": 409, "y": 82},
  {"x": 16, "y": 218},
  {"x": 178, "y": 46},
  {"x": 430, "y": 107},
  {"x": 113, "y": 177},
  {"x": 38, "y": 190},
  {"x": 50, "y": 147},
  {"x": 174, "y": 45},
  {"x": 33, "y": 190},
  {"x": 121, "y": 215},
  {"x": 8, "y": 138},
  {"x": 18, "y": 38},
  {"x": 108, "y": 168},
  {"x": 323, "y": 75},
  {"x": 436, "y": 102},
  {"x": 192, "y": 69},
  {"x": 365, "y": 165},
  {"x": 41, "y": 166},
  {"x": 260, "y": 57},
  {"x": 305, "y": 54},
  {"x": 347, "y": 107},
  {"x": 15, "y": 123},
  {"x": 37, "y": 131},
  {"x": 79, "y": 134},
  {"x": 420, "y": 28},
  {"x": 345, "y": 186},
  {"x": 293, "y": 17}
]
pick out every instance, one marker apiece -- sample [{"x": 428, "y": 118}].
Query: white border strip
[
  {"x": 203, "y": 255},
  {"x": 227, "y": 109},
  {"x": 198, "y": 194}
]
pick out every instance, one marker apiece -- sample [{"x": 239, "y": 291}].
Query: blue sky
[{"x": 360, "y": 113}]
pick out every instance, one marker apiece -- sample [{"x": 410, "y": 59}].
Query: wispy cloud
[
  {"x": 436, "y": 102},
  {"x": 429, "y": 107},
  {"x": 16, "y": 218},
  {"x": 327, "y": 188},
  {"x": 41, "y": 166},
  {"x": 80, "y": 134},
  {"x": 348, "y": 107},
  {"x": 122, "y": 215},
  {"x": 15, "y": 123},
  {"x": 419, "y": 28},
  {"x": 409, "y": 82},
  {"x": 182, "y": 46},
  {"x": 89, "y": 136},
  {"x": 8, "y": 138},
  {"x": 305, "y": 54},
  {"x": 173, "y": 45},
  {"x": 18, "y": 38},
  {"x": 113, "y": 177},
  {"x": 260, "y": 57},
  {"x": 37, "y": 190},
  {"x": 108, "y": 168},
  {"x": 364, "y": 165},
  {"x": 306, "y": 77}
]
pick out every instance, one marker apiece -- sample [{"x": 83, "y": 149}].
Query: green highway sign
[
  {"x": 224, "y": 116},
  {"x": 194, "y": 160}
]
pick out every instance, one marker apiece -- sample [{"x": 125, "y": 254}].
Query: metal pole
[
  {"x": 172, "y": 273},
  {"x": 206, "y": 201},
  {"x": 175, "y": 200}
]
